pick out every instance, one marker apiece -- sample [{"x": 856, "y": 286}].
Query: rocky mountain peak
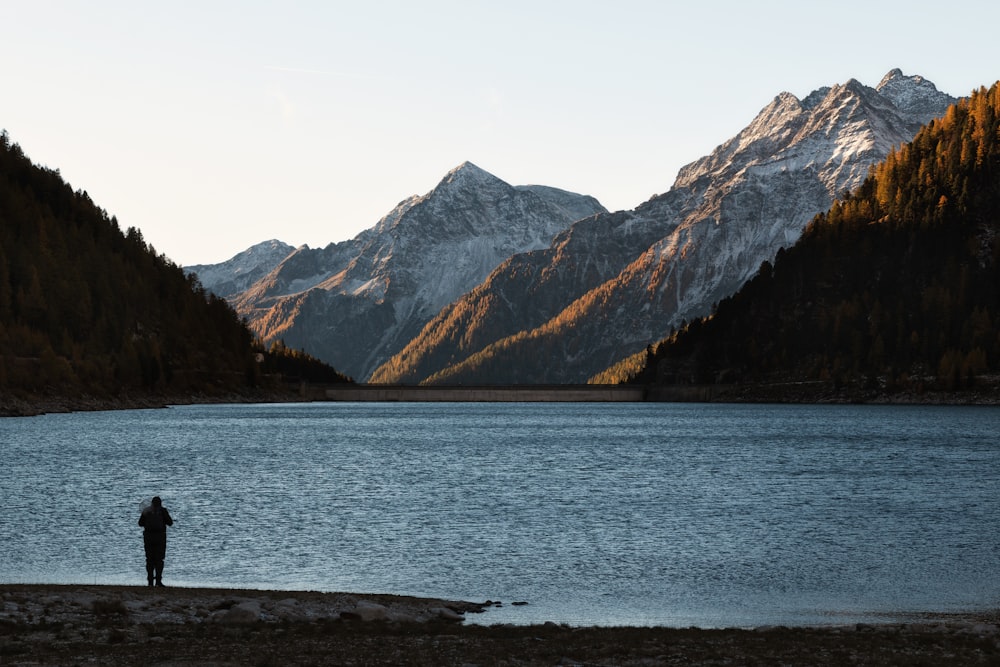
[
  {"x": 840, "y": 115},
  {"x": 468, "y": 170},
  {"x": 895, "y": 75},
  {"x": 467, "y": 177},
  {"x": 914, "y": 95},
  {"x": 356, "y": 303},
  {"x": 813, "y": 99},
  {"x": 462, "y": 186},
  {"x": 242, "y": 270}
]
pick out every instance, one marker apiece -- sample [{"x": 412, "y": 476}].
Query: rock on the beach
[
  {"x": 244, "y": 613},
  {"x": 370, "y": 611},
  {"x": 289, "y": 609},
  {"x": 447, "y": 614},
  {"x": 978, "y": 629}
]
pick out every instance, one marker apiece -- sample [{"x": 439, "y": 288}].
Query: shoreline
[
  {"x": 789, "y": 394},
  {"x": 20, "y": 406},
  {"x": 51, "y": 624}
]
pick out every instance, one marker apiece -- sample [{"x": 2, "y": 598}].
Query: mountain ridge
[
  {"x": 793, "y": 158},
  {"x": 357, "y": 302},
  {"x": 604, "y": 285},
  {"x": 238, "y": 273},
  {"x": 890, "y": 294}
]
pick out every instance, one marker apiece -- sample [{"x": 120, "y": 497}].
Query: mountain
[
  {"x": 893, "y": 290},
  {"x": 356, "y": 303},
  {"x": 239, "y": 273},
  {"x": 611, "y": 284},
  {"x": 91, "y": 316}
]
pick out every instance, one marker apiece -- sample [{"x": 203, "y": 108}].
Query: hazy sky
[{"x": 212, "y": 126}]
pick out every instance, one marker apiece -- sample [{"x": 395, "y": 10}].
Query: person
[{"x": 154, "y": 519}]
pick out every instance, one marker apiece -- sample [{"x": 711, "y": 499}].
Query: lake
[{"x": 609, "y": 514}]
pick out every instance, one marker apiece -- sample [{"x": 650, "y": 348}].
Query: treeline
[
  {"x": 896, "y": 287},
  {"x": 87, "y": 308},
  {"x": 298, "y": 366}
]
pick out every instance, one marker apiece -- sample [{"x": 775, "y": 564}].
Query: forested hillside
[
  {"x": 86, "y": 309},
  {"x": 896, "y": 288}
]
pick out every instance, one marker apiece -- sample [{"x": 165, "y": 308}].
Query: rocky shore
[
  {"x": 175, "y": 627},
  {"x": 31, "y": 406}
]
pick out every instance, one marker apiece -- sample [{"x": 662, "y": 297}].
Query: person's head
[{"x": 156, "y": 501}]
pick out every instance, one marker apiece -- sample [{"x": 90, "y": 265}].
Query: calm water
[{"x": 666, "y": 514}]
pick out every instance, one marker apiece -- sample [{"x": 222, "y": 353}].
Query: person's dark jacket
[{"x": 155, "y": 519}]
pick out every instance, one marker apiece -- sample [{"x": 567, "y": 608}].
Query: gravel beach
[{"x": 174, "y": 627}]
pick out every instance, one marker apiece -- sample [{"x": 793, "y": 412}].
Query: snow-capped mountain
[
  {"x": 356, "y": 303},
  {"x": 237, "y": 274},
  {"x": 612, "y": 284}
]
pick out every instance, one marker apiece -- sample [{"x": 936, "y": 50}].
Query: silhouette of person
[{"x": 154, "y": 519}]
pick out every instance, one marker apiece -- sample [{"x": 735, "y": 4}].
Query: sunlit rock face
[
  {"x": 612, "y": 284},
  {"x": 356, "y": 303}
]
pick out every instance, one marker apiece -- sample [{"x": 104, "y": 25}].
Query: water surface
[{"x": 665, "y": 514}]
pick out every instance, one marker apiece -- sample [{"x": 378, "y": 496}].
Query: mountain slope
[
  {"x": 893, "y": 289},
  {"x": 240, "y": 272},
  {"x": 673, "y": 257},
  {"x": 89, "y": 311},
  {"x": 356, "y": 303}
]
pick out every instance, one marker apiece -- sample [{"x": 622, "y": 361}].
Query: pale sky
[{"x": 212, "y": 126}]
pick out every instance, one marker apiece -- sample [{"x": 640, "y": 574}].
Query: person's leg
[
  {"x": 161, "y": 554},
  {"x": 150, "y": 558}
]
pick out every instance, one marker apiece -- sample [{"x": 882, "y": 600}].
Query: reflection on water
[{"x": 609, "y": 514}]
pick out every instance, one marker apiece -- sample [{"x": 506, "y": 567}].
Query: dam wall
[{"x": 491, "y": 394}]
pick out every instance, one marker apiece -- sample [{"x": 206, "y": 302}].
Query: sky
[{"x": 214, "y": 125}]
